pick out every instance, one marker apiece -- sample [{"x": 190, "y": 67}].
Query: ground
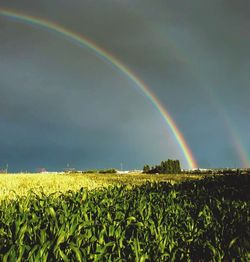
[{"x": 12, "y": 185}]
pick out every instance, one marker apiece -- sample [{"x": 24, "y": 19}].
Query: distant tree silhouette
[
  {"x": 146, "y": 169},
  {"x": 166, "y": 167}
]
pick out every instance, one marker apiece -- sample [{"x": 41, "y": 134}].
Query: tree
[
  {"x": 166, "y": 167},
  {"x": 178, "y": 167},
  {"x": 146, "y": 169}
]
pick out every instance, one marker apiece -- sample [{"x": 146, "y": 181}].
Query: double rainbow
[{"x": 85, "y": 42}]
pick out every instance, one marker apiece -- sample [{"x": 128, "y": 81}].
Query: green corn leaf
[
  {"x": 232, "y": 242},
  {"x": 63, "y": 256},
  {"x": 77, "y": 252}
]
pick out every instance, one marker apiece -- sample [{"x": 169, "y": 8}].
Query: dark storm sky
[{"x": 61, "y": 104}]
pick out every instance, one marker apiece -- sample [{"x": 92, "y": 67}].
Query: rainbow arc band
[{"x": 85, "y": 42}]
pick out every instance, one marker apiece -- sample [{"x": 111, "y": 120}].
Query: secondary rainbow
[
  {"x": 186, "y": 59},
  {"x": 115, "y": 62}
]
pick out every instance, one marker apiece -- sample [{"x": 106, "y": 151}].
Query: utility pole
[{"x": 121, "y": 167}]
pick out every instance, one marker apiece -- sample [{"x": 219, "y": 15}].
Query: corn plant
[{"x": 205, "y": 220}]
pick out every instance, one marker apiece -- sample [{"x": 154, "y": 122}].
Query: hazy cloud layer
[{"x": 60, "y": 103}]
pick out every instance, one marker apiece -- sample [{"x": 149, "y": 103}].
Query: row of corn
[{"x": 206, "y": 220}]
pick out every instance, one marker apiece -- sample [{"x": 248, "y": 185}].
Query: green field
[{"x": 196, "y": 220}]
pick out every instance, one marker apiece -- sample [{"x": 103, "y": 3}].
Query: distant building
[
  {"x": 69, "y": 170},
  {"x": 42, "y": 170},
  {"x": 122, "y": 171},
  {"x": 128, "y": 171},
  {"x": 4, "y": 170},
  {"x": 135, "y": 171}
]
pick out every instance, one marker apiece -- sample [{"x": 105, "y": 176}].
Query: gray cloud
[{"x": 60, "y": 102}]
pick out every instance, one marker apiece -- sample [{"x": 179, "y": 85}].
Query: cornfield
[
  {"x": 15, "y": 185},
  {"x": 203, "y": 220}
]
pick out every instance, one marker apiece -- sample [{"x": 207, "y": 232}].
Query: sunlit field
[{"x": 13, "y": 185}]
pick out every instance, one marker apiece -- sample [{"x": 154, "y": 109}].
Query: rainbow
[
  {"x": 236, "y": 140},
  {"x": 84, "y": 41},
  {"x": 238, "y": 145}
]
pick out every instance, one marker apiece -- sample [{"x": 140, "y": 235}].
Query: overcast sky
[{"x": 61, "y": 104}]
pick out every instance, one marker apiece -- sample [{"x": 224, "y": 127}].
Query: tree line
[{"x": 166, "y": 167}]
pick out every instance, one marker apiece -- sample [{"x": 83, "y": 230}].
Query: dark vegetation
[
  {"x": 218, "y": 171},
  {"x": 202, "y": 220},
  {"x": 166, "y": 167},
  {"x": 93, "y": 171},
  {"x": 107, "y": 171}
]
